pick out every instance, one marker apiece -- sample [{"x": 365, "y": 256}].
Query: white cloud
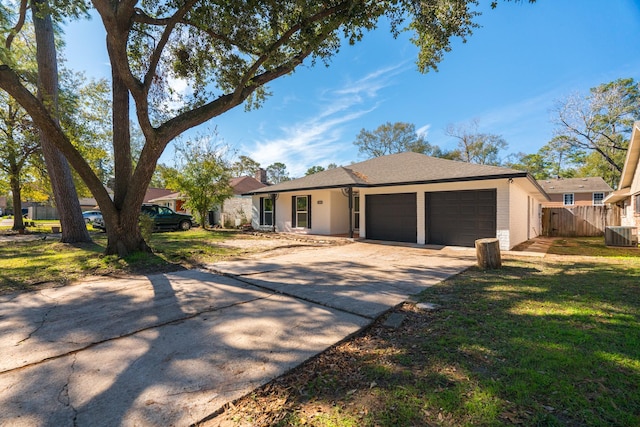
[
  {"x": 180, "y": 88},
  {"x": 423, "y": 130},
  {"x": 319, "y": 140}
]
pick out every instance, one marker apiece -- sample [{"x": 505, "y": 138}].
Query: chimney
[{"x": 261, "y": 175}]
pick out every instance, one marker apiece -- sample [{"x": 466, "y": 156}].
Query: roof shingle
[
  {"x": 574, "y": 185},
  {"x": 402, "y": 168}
]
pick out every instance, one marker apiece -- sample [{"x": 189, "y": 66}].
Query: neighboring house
[
  {"x": 627, "y": 196},
  {"x": 571, "y": 192},
  {"x": 237, "y": 210},
  {"x": 234, "y": 211},
  {"x": 172, "y": 200},
  {"x": 407, "y": 197},
  {"x": 154, "y": 193}
]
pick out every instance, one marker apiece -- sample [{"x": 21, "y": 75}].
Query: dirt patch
[{"x": 270, "y": 244}]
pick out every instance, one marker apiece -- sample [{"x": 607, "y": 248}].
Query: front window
[
  {"x": 568, "y": 199},
  {"x": 637, "y": 203},
  {"x": 301, "y": 211},
  {"x": 598, "y": 199},
  {"x": 267, "y": 211}
]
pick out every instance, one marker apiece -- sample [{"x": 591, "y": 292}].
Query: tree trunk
[
  {"x": 18, "y": 223},
  {"x": 488, "y": 253},
  {"x": 123, "y": 233},
  {"x": 74, "y": 228}
]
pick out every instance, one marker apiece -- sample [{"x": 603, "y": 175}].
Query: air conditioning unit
[{"x": 621, "y": 236}]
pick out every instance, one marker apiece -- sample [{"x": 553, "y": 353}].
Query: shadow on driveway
[{"x": 170, "y": 349}]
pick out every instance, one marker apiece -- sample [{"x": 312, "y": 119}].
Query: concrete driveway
[{"x": 170, "y": 349}]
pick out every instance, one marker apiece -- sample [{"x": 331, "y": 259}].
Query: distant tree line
[{"x": 591, "y": 137}]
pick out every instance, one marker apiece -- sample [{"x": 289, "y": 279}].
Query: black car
[
  {"x": 163, "y": 218},
  {"x": 166, "y": 219}
]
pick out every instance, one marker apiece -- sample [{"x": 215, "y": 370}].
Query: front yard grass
[
  {"x": 590, "y": 246},
  {"x": 539, "y": 342},
  {"x": 26, "y": 265}
]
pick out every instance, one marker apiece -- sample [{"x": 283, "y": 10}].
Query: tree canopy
[
  {"x": 203, "y": 176},
  {"x": 277, "y": 172},
  {"x": 474, "y": 146},
  {"x": 245, "y": 166},
  {"x": 314, "y": 169},
  {"x": 391, "y": 138},
  {"x": 598, "y": 125}
]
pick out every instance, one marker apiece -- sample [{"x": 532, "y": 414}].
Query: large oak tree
[
  {"x": 227, "y": 51},
  {"x": 391, "y": 138},
  {"x": 599, "y": 125}
]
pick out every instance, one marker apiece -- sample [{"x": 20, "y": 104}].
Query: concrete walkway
[{"x": 170, "y": 349}]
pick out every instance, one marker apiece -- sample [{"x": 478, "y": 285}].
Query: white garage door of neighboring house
[
  {"x": 458, "y": 218},
  {"x": 391, "y": 217}
]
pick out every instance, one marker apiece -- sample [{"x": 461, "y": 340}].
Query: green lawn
[
  {"x": 590, "y": 246},
  {"x": 25, "y": 265},
  {"x": 552, "y": 341},
  {"x": 536, "y": 343}
]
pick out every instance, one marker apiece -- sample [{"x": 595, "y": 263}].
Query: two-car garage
[{"x": 455, "y": 218}]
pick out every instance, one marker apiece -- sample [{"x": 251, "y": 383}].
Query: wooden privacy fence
[{"x": 579, "y": 221}]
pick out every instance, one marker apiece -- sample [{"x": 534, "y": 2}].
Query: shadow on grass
[
  {"x": 591, "y": 246},
  {"x": 28, "y": 265},
  {"x": 529, "y": 344}
]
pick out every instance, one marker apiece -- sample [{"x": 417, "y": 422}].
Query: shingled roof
[
  {"x": 245, "y": 184},
  {"x": 396, "y": 169},
  {"x": 574, "y": 185}
]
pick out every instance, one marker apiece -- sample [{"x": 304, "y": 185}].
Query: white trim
[
  {"x": 593, "y": 198},
  {"x": 564, "y": 199}
]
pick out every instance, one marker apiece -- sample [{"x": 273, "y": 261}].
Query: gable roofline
[
  {"x": 632, "y": 159},
  {"x": 399, "y": 170},
  {"x": 364, "y": 185},
  {"x": 575, "y": 185},
  {"x": 629, "y": 169}
]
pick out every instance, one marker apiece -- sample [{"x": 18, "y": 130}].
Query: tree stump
[{"x": 488, "y": 253}]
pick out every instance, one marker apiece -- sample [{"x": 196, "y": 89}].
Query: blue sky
[{"x": 508, "y": 76}]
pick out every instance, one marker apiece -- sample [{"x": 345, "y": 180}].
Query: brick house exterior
[
  {"x": 233, "y": 212},
  {"x": 569, "y": 192}
]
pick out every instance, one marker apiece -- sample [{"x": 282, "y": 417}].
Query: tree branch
[
  {"x": 22, "y": 15},
  {"x": 157, "y": 53},
  {"x": 10, "y": 82},
  {"x": 326, "y": 13}
]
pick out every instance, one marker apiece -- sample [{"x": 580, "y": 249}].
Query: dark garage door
[
  {"x": 391, "y": 217},
  {"x": 460, "y": 217}
]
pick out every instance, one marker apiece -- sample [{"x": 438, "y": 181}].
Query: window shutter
[
  {"x": 273, "y": 216},
  {"x": 309, "y": 211},
  {"x": 293, "y": 211},
  {"x": 261, "y": 210}
]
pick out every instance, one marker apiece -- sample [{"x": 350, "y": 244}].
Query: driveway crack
[
  {"x": 63, "y": 395},
  {"x": 39, "y": 325},
  {"x": 132, "y": 333}
]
